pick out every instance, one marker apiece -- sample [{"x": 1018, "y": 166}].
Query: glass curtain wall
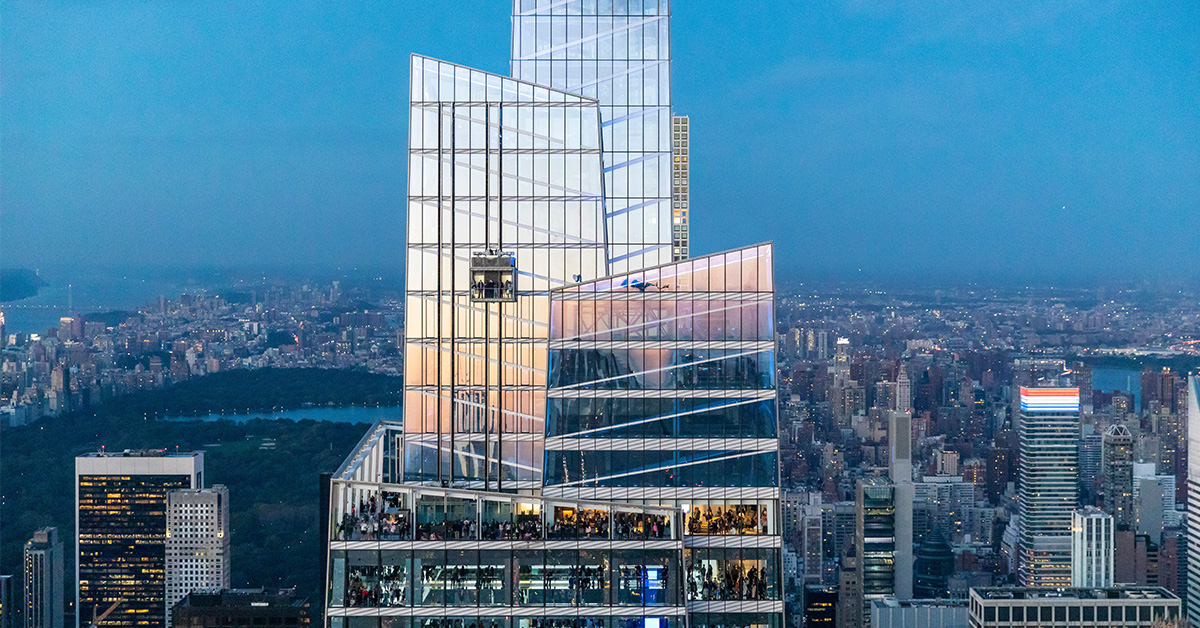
[
  {"x": 662, "y": 391},
  {"x": 618, "y": 52},
  {"x": 504, "y": 176}
]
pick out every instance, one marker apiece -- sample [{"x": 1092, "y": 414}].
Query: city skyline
[{"x": 249, "y": 139}]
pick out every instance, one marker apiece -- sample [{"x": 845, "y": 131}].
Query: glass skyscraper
[
  {"x": 619, "y": 53},
  {"x": 590, "y": 436}
]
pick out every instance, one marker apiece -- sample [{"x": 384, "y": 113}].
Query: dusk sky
[{"x": 907, "y": 139}]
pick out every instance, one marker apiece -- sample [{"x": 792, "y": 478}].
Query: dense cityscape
[
  {"x": 93, "y": 357},
  {"x": 589, "y": 422}
]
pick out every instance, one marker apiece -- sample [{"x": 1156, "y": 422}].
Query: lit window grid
[
  {"x": 494, "y": 163},
  {"x": 619, "y": 54},
  {"x": 433, "y": 592},
  {"x": 681, "y": 223},
  {"x": 121, "y": 545}
]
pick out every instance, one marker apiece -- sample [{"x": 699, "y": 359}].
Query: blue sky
[{"x": 906, "y": 139}]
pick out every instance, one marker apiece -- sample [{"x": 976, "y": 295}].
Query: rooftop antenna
[{"x": 70, "y": 299}]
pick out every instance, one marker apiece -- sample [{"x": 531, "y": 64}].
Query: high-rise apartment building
[
  {"x": 44, "y": 580},
  {"x": 121, "y": 519},
  {"x": 619, "y": 54},
  {"x": 900, "y": 449},
  {"x": 679, "y": 192},
  {"x": 1049, "y": 484},
  {"x": 197, "y": 542},
  {"x": 1117, "y": 461},
  {"x": 1092, "y": 548}
]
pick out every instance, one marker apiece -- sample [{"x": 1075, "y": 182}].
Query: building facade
[
  {"x": 1119, "y": 607},
  {"x": 1092, "y": 548},
  {"x": 198, "y": 542},
  {"x": 618, "y": 54},
  {"x": 241, "y": 607},
  {"x": 121, "y": 518},
  {"x": 1048, "y": 490},
  {"x": 680, "y": 179},
  {"x": 44, "y": 580},
  {"x": 421, "y": 556},
  {"x": 505, "y": 202},
  {"x": 662, "y": 391}
]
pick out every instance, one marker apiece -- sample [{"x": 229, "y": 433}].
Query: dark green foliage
[{"x": 273, "y": 491}]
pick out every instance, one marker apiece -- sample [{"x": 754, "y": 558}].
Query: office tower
[
  {"x": 875, "y": 542},
  {"x": 900, "y": 448},
  {"x": 505, "y": 202},
  {"x": 903, "y": 391},
  {"x": 1117, "y": 456},
  {"x": 197, "y": 542},
  {"x": 1092, "y": 546},
  {"x": 822, "y": 345},
  {"x": 121, "y": 518},
  {"x": 44, "y": 580},
  {"x": 620, "y": 55},
  {"x": 9, "y": 602},
  {"x": 662, "y": 391},
  {"x": 526, "y": 195},
  {"x": 241, "y": 607},
  {"x": 1049, "y": 484},
  {"x": 1071, "y": 607},
  {"x": 679, "y": 189}
]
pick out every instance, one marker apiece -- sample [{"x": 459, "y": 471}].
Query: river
[{"x": 336, "y": 415}]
